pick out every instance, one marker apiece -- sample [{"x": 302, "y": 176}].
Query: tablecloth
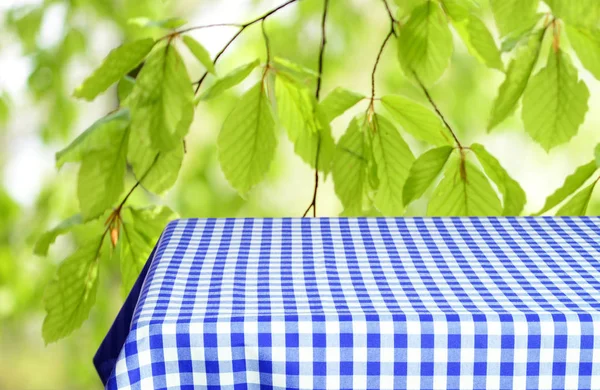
[{"x": 357, "y": 303}]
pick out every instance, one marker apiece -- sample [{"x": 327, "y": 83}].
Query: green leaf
[
  {"x": 337, "y": 102},
  {"x": 350, "y": 169},
  {"x": 479, "y": 41},
  {"x": 578, "y": 204},
  {"x": 70, "y": 296},
  {"x": 101, "y": 177},
  {"x": 306, "y": 127},
  {"x": 512, "y": 15},
  {"x": 293, "y": 70},
  {"x": 425, "y": 43},
  {"x": 116, "y": 65},
  {"x": 305, "y": 145},
  {"x": 555, "y": 102},
  {"x": 158, "y": 171},
  {"x": 517, "y": 77},
  {"x": 586, "y": 43},
  {"x": 597, "y": 155},
  {"x": 139, "y": 233},
  {"x": 419, "y": 121},
  {"x": 124, "y": 88},
  {"x": 231, "y": 79},
  {"x": 161, "y": 102},
  {"x": 45, "y": 240},
  {"x": 585, "y": 13},
  {"x": 406, "y": 7},
  {"x": 424, "y": 171},
  {"x": 513, "y": 195},
  {"x": 571, "y": 184},
  {"x": 394, "y": 159},
  {"x": 295, "y": 108},
  {"x": 98, "y": 136},
  {"x": 464, "y": 191},
  {"x": 247, "y": 140},
  {"x": 200, "y": 53},
  {"x": 171, "y": 23}
]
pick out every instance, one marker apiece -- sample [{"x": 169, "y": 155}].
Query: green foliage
[
  {"x": 140, "y": 144},
  {"x": 578, "y": 204},
  {"x": 424, "y": 171},
  {"x": 350, "y": 167},
  {"x": 571, "y": 184},
  {"x": 578, "y": 13},
  {"x": 200, "y": 53},
  {"x": 98, "y": 136},
  {"x": 586, "y": 43},
  {"x": 230, "y": 80},
  {"x": 70, "y": 296},
  {"x": 425, "y": 43},
  {"x": 514, "y": 197},
  {"x": 393, "y": 158},
  {"x": 479, "y": 41},
  {"x": 48, "y": 238},
  {"x": 247, "y": 140},
  {"x": 116, "y": 65},
  {"x": 513, "y": 15},
  {"x": 517, "y": 76},
  {"x": 101, "y": 177},
  {"x": 464, "y": 191},
  {"x": 555, "y": 102},
  {"x": 161, "y": 101},
  {"x": 139, "y": 233},
  {"x": 337, "y": 102},
  {"x": 419, "y": 121}
]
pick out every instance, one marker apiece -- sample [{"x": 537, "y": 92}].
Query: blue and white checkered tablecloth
[{"x": 363, "y": 303}]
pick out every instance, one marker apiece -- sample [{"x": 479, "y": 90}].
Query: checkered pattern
[{"x": 377, "y": 303}]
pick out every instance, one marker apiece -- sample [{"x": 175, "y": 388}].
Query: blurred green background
[{"x": 48, "y": 47}]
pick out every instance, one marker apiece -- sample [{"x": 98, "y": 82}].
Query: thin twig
[
  {"x": 313, "y": 203},
  {"x": 267, "y": 45},
  {"x": 237, "y": 34},
  {"x": 437, "y": 110},
  {"x": 392, "y": 18},
  {"x": 385, "y": 41},
  {"x": 322, "y": 48},
  {"x": 137, "y": 183},
  {"x": 185, "y": 30}
]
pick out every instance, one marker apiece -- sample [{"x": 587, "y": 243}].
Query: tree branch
[
  {"x": 385, "y": 41},
  {"x": 437, "y": 110},
  {"x": 313, "y": 203},
  {"x": 392, "y": 18},
  {"x": 266, "y": 37},
  {"x": 237, "y": 34}
]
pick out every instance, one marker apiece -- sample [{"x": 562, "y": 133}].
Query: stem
[
  {"x": 185, "y": 30},
  {"x": 237, "y": 34},
  {"x": 313, "y": 203},
  {"x": 385, "y": 41},
  {"x": 437, "y": 110},
  {"x": 322, "y": 48},
  {"x": 389, "y": 12},
  {"x": 137, "y": 183},
  {"x": 264, "y": 32}
]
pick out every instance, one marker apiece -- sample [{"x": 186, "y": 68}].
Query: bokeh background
[{"x": 48, "y": 47}]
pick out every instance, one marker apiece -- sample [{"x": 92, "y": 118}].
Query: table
[{"x": 356, "y": 303}]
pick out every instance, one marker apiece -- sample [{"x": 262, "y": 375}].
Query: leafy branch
[
  {"x": 371, "y": 170},
  {"x": 237, "y": 34}
]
